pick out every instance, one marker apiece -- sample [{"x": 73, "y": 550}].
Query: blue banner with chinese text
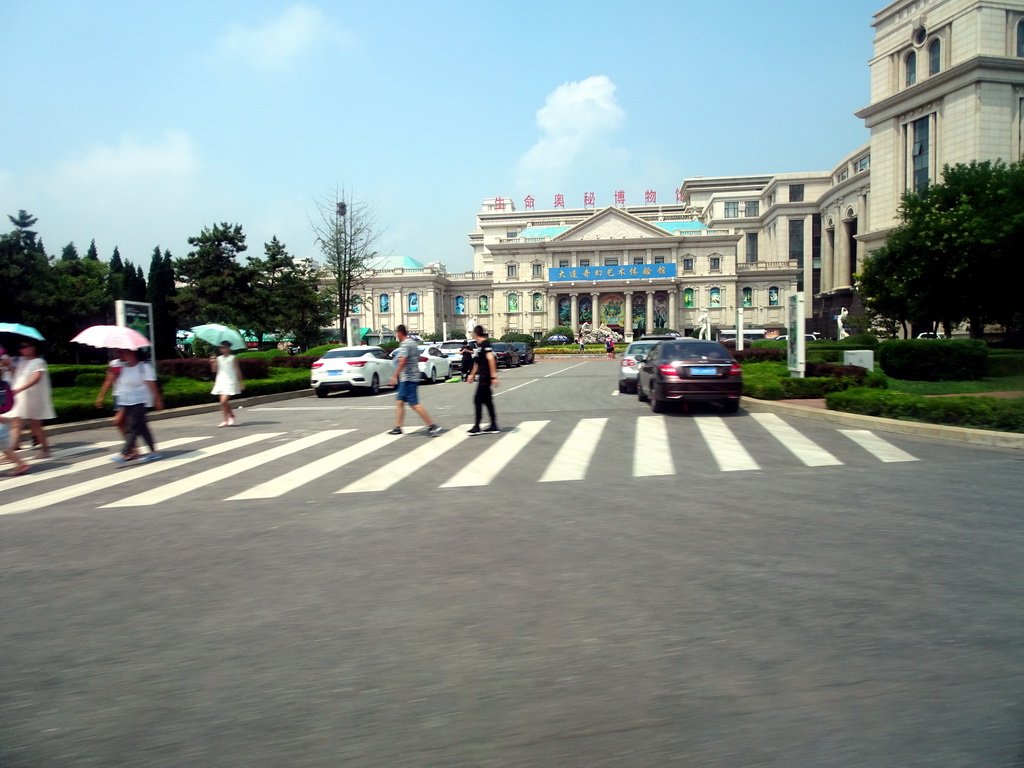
[{"x": 628, "y": 272}]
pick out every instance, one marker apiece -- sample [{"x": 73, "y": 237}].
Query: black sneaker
[
  {"x": 475, "y": 431},
  {"x": 395, "y": 431},
  {"x": 433, "y": 430},
  {"x": 492, "y": 430}
]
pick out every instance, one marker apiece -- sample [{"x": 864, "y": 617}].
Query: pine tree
[
  {"x": 286, "y": 292},
  {"x": 26, "y": 287},
  {"x": 92, "y": 253},
  {"x": 160, "y": 292},
  {"x": 215, "y": 286},
  {"x": 116, "y": 273},
  {"x": 69, "y": 252}
]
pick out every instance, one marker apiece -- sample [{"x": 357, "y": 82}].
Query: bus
[{"x": 749, "y": 334}]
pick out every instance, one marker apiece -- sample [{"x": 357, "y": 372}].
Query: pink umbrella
[{"x": 112, "y": 337}]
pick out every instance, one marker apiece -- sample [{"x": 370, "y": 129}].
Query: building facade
[{"x": 947, "y": 86}]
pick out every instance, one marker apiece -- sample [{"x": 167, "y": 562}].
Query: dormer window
[{"x": 910, "y": 64}]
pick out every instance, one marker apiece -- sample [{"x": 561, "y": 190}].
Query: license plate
[
  {"x": 704, "y": 371},
  {"x": 335, "y": 373}
]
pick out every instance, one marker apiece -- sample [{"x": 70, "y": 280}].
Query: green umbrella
[{"x": 214, "y": 333}]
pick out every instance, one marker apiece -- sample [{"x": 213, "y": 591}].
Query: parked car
[
  {"x": 927, "y": 335},
  {"x": 807, "y": 337},
  {"x": 629, "y": 366},
  {"x": 363, "y": 369},
  {"x": 525, "y": 352},
  {"x": 453, "y": 351},
  {"x": 505, "y": 354},
  {"x": 433, "y": 364},
  {"x": 686, "y": 370}
]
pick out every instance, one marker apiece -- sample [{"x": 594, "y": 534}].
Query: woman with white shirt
[
  {"x": 228, "y": 381},
  {"x": 32, "y": 400},
  {"x": 136, "y": 389}
]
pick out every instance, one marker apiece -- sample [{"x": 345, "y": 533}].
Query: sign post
[
  {"x": 137, "y": 315},
  {"x": 739, "y": 329},
  {"x": 352, "y": 331},
  {"x": 796, "y": 344}
]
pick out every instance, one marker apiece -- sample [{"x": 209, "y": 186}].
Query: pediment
[{"x": 612, "y": 224}]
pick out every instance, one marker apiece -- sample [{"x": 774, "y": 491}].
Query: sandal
[{"x": 18, "y": 471}]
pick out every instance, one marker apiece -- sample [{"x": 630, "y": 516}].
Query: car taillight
[
  {"x": 423, "y": 359},
  {"x": 668, "y": 370},
  {"x": 628, "y": 363},
  {"x": 735, "y": 370},
  {"x": 317, "y": 365},
  {"x": 358, "y": 364}
]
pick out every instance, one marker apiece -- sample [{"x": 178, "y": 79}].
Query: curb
[
  {"x": 172, "y": 413},
  {"x": 986, "y": 437}
]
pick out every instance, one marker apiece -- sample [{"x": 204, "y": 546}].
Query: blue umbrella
[
  {"x": 21, "y": 330},
  {"x": 214, "y": 334},
  {"x": 558, "y": 337}
]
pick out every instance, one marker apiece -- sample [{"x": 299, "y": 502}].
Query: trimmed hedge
[
  {"x": 65, "y": 375},
  {"x": 933, "y": 359},
  {"x": 771, "y": 380},
  {"x": 199, "y": 368},
  {"x": 759, "y": 355},
  {"x": 293, "y": 361},
  {"x": 1004, "y": 364},
  {"x": 974, "y": 412},
  {"x": 92, "y": 380}
]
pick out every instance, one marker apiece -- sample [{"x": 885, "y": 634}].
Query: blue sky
[{"x": 137, "y": 123}]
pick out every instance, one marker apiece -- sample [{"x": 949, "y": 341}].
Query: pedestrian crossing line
[
  {"x": 651, "y": 454},
  {"x": 52, "y": 474},
  {"x": 728, "y": 452},
  {"x": 289, "y": 481},
  {"x": 216, "y": 474},
  {"x": 805, "y": 449},
  {"x": 488, "y": 465},
  {"x": 64, "y": 453},
  {"x": 573, "y": 458},
  {"x": 399, "y": 469},
  {"x": 125, "y": 475},
  {"x": 877, "y": 447}
]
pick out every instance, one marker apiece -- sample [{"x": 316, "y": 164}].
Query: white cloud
[
  {"x": 577, "y": 119},
  {"x": 275, "y": 44}
]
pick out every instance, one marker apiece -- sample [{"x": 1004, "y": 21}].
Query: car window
[
  {"x": 331, "y": 353},
  {"x": 683, "y": 350},
  {"x": 639, "y": 349},
  {"x": 499, "y": 347}
]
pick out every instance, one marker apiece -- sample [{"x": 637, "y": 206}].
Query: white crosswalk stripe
[
  {"x": 483, "y": 469},
  {"x": 651, "y": 453},
  {"x": 126, "y": 475},
  {"x": 801, "y": 446},
  {"x": 728, "y": 452},
  {"x": 41, "y": 475},
  {"x": 216, "y": 474},
  {"x": 876, "y": 446},
  {"x": 573, "y": 458},
  {"x": 403, "y": 466},
  {"x": 289, "y": 481}
]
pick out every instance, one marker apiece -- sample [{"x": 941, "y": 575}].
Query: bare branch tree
[{"x": 346, "y": 233}]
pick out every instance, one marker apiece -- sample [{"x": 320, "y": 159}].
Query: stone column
[
  {"x": 649, "y": 314},
  {"x": 574, "y": 312},
  {"x": 552, "y": 300},
  {"x": 672, "y": 308},
  {"x": 397, "y": 310},
  {"x": 808, "y": 266},
  {"x": 826, "y": 260},
  {"x": 595, "y": 310},
  {"x": 628, "y": 330},
  {"x": 841, "y": 274}
]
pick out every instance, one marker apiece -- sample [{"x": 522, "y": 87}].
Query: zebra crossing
[{"x": 272, "y": 465}]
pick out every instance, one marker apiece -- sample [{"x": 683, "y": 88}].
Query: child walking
[{"x": 227, "y": 382}]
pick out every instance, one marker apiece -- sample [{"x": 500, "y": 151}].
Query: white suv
[{"x": 351, "y": 368}]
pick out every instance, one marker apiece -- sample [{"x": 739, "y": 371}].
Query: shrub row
[
  {"x": 759, "y": 355},
  {"x": 771, "y": 380},
  {"x": 293, "y": 361},
  {"x": 933, "y": 359},
  {"x": 974, "y": 412},
  {"x": 198, "y": 368},
  {"x": 1004, "y": 364},
  {"x": 65, "y": 375}
]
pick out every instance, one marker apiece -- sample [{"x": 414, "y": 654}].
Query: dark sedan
[
  {"x": 505, "y": 355},
  {"x": 687, "y": 370},
  {"x": 525, "y": 352}
]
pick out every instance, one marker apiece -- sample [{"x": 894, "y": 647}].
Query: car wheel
[
  {"x": 320, "y": 392},
  {"x": 622, "y": 388},
  {"x": 731, "y": 406},
  {"x": 640, "y": 394},
  {"x": 436, "y": 377},
  {"x": 657, "y": 406},
  {"x": 374, "y": 386}
]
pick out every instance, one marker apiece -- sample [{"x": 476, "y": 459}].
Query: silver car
[{"x": 628, "y": 366}]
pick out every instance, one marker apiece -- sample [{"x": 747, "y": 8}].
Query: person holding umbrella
[
  {"x": 227, "y": 382},
  {"x": 32, "y": 399},
  {"x": 136, "y": 389}
]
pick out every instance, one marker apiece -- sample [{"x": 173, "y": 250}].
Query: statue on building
[
  {"x": 470, "y": 325},
  {"x": 841, "y": 324},
  {"x": 704, "y": 324}
]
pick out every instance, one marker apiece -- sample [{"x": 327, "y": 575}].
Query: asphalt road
[{"x": 715, "y": 591}]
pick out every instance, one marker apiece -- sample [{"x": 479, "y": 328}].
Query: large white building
[{"x": 947, "y": 86}]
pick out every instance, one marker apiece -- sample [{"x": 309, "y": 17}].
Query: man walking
[
  {"x": 407, "y": 376},
  {"x": 485, "y": 371}
]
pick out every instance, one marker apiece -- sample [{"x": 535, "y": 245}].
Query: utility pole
[{"x": 343, "y": 288}]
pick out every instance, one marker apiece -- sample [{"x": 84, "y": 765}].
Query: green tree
[
  {"x": 215, "y": 286},
  {"x": 116, "y": 275},
  {"x": 161, "y": 292},
  {"x": 26, "y": 287},
  {"x": 69, "y": 252},
  {"x": 92, "y": 253},
  {"x": 956, "y": 254},
  {"x": 286, "y": 291}
]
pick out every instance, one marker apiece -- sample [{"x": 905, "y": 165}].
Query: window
[
  {"x": 512, "y": 269},
  {"x": 753, "y": 208},
  {"x": 513, "y": 302},
  {"x": 414, "y": 302},
  {"x": 385, "y": 303},
  {"x": 563, "y": 263},
  {"x": 483, "y": 305},
  {"x": 842, "y": 176},
  {"x": 611, "y": 261},
  {"x": 537, "y": 270},
  {"x": 511, "y": 233},
  {"x": 638, "y": 259},
  {"x": 1020, "y": 38},
  {"x": 934, "y": 57},
  {"x": 732, "y": 210},
  {"x": 716, "y": 263},
  {"x": 863, "y": 164},
  {"x": 538, "y": 302},
  {"x": 796, "y": 241},
  {"x": 688, "y": 265},
  {"x": 688, "y": 298},
  {"x": 460, "y": 305},
  {"x": 748, "y": 297},
  {"x": 751, "y": 247},
  {"x": 716, "y": 297},
  {"x": 584, "y": 262},
  {"x": 920, "y": 153},
  {"x": 911, "y": 66},
  {"x": 773, "y": 296},
  {"x": 659, "y": 259},
  {"x": 356, "y": 303},
  {"x": 796, "y": 193}
]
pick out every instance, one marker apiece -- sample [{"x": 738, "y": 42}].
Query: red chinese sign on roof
[
  {"x": 650, "y": 197},
  {"x": 528, "y": 202},
  {"x": 559, "y": 201},
  {"x": 620, "y": 197},
  {"x": 588, "y": 199},
  {"x": 499, "y": 203}
]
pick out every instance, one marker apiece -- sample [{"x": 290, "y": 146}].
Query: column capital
[{"x": 627, "y": 293}]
